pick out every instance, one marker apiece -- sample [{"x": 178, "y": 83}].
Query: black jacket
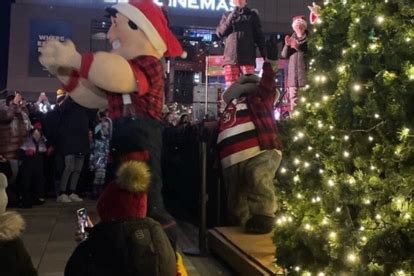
[
  {"x": 67, "y": 128},
  {"x": 14, "y": 259},
  {"x": 241, "y": 31}
]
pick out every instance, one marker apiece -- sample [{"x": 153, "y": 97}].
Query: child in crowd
[
  {"x": 99, "y": 152},
  {"x": 31, "y": 174}
]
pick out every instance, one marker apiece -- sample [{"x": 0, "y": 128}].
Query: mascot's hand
[{"x": 55, "y": 54}]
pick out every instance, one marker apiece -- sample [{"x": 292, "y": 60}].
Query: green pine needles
[{"x": 346, "y": 184}]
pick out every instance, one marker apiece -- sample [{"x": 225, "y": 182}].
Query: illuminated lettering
[
  {"x": 212, "y": 5},
  {"x": 208, "y": 5}
]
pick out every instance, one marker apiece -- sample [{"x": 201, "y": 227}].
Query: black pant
[
  {"x": 31, "y": 177},
  {"x": 132, "y": 134}
]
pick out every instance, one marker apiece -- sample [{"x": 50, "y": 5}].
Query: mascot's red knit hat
[
  {"x": 151, "y": 20},
  {"x": 126, "y": 198}
]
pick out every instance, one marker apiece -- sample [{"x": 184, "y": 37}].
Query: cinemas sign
[{"x": 211, "y": 5}]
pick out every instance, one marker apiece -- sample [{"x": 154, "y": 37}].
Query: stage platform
[{"x": 245, "y": 253}]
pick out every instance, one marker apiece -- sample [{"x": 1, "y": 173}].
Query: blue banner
[{"x": 42, "y": 30}]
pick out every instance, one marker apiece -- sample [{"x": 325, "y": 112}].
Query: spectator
[
  {"x": 295, "y": 50},
  {"x": 31, "y": 172},
  {"x": 14, "y": 258},
  {"x": 72, "y": 143},
  {"x": 124, "y": 242},
  {"x": 241, "y": 31}
]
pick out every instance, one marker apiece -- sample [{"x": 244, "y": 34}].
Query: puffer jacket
[
  {"x": 241, "y": 31},
  {"x": 14, "y": 258}
]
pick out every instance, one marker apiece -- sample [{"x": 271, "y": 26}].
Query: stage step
[{"x": 246, "y": 254}]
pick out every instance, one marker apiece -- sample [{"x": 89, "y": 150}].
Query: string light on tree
[
  {"x": 380, "y": 19},
  {"x": 357, "y": 87},
  {"x": 352, "y": 258}
]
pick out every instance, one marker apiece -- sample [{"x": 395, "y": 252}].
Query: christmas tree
[{"x": 346, "y": 184}]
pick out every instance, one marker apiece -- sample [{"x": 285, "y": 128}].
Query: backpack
[{"x": 135, "y": 247}]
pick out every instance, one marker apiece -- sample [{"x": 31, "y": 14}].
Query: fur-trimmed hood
[{"x": 11, "y": 226}]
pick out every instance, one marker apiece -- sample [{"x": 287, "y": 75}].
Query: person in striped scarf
[{"x": 250, "y": 150}]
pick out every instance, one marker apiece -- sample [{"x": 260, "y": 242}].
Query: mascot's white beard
[{"x": 116, "y": 44}]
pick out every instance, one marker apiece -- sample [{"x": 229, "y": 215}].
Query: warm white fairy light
[
  {"x": 377, "y": 116},
  {"x": 308, "y": 227},
  {"x": 306, "y": 165},
  {"x": 378, "y": 216},
  {"x": 370, "y": 138},
  {"x": 380, "y": 19},
  {"x": 325, "y": 221},
  {"x": 317, "y": 155},
  {"x": 362, "y": 228},
  {"x": 373, "y": 46},
  {"x": 299, "y": 196},
  {"x": 364, "y": 239},
  {"x": 372, "y": 168},
  {"x": 346, "y": 137},
  {"x": 319, "y": 47},
  {"x": 356, "y": 87},
  {"x": 310, "y": 148},
  {"x": 407, "y": 39},
  {"x": 357, "y": 20},
  {"x": 296, "y": 161},
  {"x": 297, "y": 268},
  {"x": 363, "y": 6},
  {"x": 325, "y": 98},
  {"x": 354, "y": 45},
  {"x": 331, "y": 183},
  {"x": 338, "y": 209},
  {"x": 402, "y": 273},
  {"x": 283, "y": 170},
  {"x": 351, "y": 180},
  {"x": 332, "y": 235},
  {"x": 367, "y": 202},
  {"x": 303, "y": 99},
  {"x": 323, "y": 78},
  {"x": 407, "y": 216},
  {"x": 331, "y": 127},
  {"x": 300, "y": 134},
  {"x": 320, "y": 125},
  {"x": 332, "y": 137},
  {"x": 296, "y": 113},
  {"x": 295, "y": 138},
  {"x": 344, "y": 51},
  {"x": 341, "y": 68},
  {"x": 346, "y": 154},
  {"x": 296, "y": 178},
  {"x": 321, "y": 274},
  {"x": 352, "y": 258},
  {"x": 317, "y": 105},
  {"x": 321, "y": 171}
]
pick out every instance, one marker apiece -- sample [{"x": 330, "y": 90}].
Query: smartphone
[{"x": 82, "y": 217}]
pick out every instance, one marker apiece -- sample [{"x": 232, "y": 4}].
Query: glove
[
  {"x": 50, "y": 150},
  {"x": 287, "y": 40},
  {"x": 30, "y": 152}
]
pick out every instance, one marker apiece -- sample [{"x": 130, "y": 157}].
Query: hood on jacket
[{"x": 11, "y": 226}]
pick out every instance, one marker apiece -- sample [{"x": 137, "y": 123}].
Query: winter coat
[
  {"x": 123, "y": 248},
  {"x": 241, "y": 31},
  {"x": 297, "y": 62},
  {"x": 68, "y": 128},
  {"x": 13, "y": 131},
  {"x": 14, "y": 258}
]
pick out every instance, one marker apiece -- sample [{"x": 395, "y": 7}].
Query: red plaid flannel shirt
[
  {"x": 149, "y": 98},
  {"x": 260, "y": 104}
]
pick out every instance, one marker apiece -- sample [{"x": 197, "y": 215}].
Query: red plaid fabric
[
  {"x": 232, "y": 72},
  {"x": 261, "y": 109},
  {"x": 148, "y": 103}
]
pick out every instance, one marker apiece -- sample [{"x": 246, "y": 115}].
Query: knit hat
[
  {"x": 151, "y": 20},
  {"x": 3, "y": 194},
  {"x": 300, "y": 19},
  {"x": 59, "y": 94},
  {"x": 245, "y": 84},
  {"x": 126, "y": 197}
]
